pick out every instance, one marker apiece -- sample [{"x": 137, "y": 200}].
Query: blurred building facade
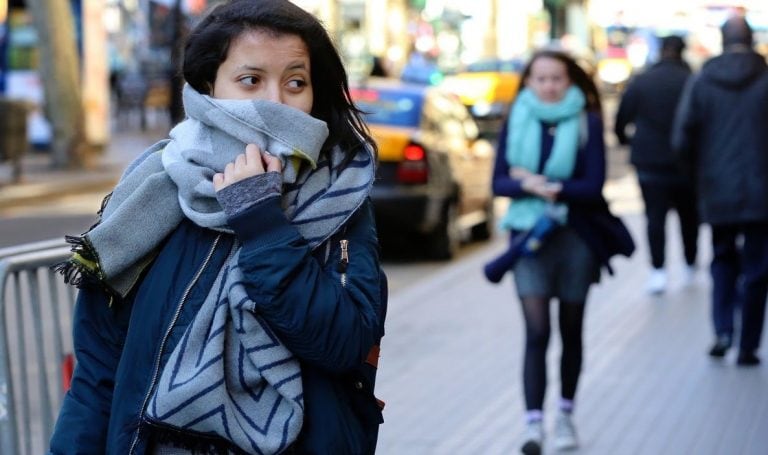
[
  {"x": 456, "y": 32},
  {"x": 118, "y": 37}
]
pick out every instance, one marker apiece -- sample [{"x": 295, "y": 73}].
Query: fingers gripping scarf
[{"x": 246, "y": 390}]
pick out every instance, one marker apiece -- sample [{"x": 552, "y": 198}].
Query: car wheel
[
  {"x": 484, "y": 230},
  {"x": 446, "y": 239}
]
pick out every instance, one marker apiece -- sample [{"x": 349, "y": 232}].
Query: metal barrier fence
[{"x": 35, "y": 344}]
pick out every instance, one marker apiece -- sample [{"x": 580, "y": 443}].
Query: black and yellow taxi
[
  {"x": 487, "y": 88},
  {"x": 434, "y": 173}
]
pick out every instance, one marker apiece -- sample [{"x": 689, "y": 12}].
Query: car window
[{"x": 389, "y": 106}]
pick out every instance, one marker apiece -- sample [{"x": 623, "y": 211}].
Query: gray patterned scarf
[
  {"x": 173, "y": 179},
  {"x": 230, "y": 376}
]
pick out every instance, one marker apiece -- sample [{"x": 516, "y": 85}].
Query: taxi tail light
[{"x": 413, "y": 168}]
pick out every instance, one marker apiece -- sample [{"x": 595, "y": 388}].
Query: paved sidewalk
[
  {"x": 450, "y": 370},
  {"x": 40, "y": 182}
]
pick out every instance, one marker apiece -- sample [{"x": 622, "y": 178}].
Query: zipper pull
[
  {"x": 343, "y": 261},
  {"x": 342, "y": 267}
]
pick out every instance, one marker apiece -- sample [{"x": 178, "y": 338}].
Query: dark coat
[
  {"x": 649, "y": 102},
  {"x": 329, "y": 325},
  {"x": 721, "y": 133}
]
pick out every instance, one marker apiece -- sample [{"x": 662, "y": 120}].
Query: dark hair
[
  {"x": 736, "y": 31},
  {"x": 576, "y": 74},
  {"x": 672, "y": 46},
  {"x": 208, "y": 44}
]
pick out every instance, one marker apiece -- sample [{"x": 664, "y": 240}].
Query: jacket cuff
[
  {"x": 265, "y": 221},
  {"x": 242, "y": 195}
]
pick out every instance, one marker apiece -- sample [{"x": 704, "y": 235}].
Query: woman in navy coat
[
  {"x": 551, "y": 162},
  {"x": 231, "y": 296}
]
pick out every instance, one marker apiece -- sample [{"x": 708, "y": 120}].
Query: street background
[{"x": 450, "y": 369}]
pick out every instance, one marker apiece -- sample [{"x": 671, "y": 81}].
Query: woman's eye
[
  {"x": 249, "y": 80},
  {"x": 297, "y": 83}
]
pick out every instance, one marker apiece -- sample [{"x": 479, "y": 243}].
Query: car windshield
[{"x": 389, "y": 106}]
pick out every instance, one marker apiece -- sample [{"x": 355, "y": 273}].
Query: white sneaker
[
  {"x": 534, "y": 437},
  {"x": 657, "y": 282},
  {"x": 565, "y": 432}
]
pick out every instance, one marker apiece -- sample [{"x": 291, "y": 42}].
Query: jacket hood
[{"x": 734, "y": 69}]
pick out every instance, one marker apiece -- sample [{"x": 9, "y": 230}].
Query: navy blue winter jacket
[{"x": 329, "y": 325}]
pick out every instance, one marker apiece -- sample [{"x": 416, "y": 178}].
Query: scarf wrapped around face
[{"x": 174, "y": 179}]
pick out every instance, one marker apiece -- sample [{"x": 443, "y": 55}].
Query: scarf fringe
[{"x": 77, "y": 273}]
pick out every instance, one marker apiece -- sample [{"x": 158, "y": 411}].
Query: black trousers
[{"x": 660, "y": 195}]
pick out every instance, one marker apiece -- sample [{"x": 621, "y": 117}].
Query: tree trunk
[{"x": 60, "y": 74}]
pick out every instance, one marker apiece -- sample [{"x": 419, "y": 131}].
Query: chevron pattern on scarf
[
  {"x": 323, "y": 198},
  {"x": 230, "y": 376}
]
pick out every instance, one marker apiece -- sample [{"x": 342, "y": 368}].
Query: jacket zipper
[
  {"x": 343, "y": 261},
  {"x": 165, "y": 339}
]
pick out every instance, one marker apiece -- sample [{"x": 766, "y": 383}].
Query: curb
[{"x": 35, "y": 192}]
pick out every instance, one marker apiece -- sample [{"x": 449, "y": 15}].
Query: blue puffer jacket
[{"x": 328, "y": 321}]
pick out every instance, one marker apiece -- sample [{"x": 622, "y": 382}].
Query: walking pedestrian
[
  {"x": 551, "y": 162},
  {"x": 721, "y": 136},
  {"x": 649, "y": 104},
  {"x": 231, "y": 291}
]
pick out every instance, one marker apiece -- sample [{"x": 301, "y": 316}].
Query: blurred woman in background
[{"x": 551, "y": 160}]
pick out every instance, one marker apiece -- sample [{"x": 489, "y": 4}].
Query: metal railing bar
[
  {"x": 37, "y": 321},
  {"x": 32, "y": 260},
  {"x": 57, "y": 334},
  {"x": 30, "y": 247},
  {"x": 8, "y": 422},
  {"x": 25, "y": 404}
]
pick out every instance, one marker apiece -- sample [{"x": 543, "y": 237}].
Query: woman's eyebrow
[
  {"x": 249, "y": 68},
  {"x": 292, "y": 66},
  {"x": 297, "y": 66}
]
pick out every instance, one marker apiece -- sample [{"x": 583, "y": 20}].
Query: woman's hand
[
  {"x": 252, "y": 162},
  {"x": 520, "y": 173},
  {"x": 538, "y": 185},
  {"x": 550, "y": 190}
]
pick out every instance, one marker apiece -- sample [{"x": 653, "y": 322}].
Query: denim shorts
[{"x": 564, "y": 268}]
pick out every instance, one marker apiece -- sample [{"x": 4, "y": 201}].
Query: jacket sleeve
[
  {"x": 99, "y": 331},
  {"x": 586, "y": 185},
  {"x": 625, "y": 114},
  {"x": 321, "y": 317}
]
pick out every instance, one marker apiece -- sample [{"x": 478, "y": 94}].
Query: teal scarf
[{"x": 524, "y": 148}]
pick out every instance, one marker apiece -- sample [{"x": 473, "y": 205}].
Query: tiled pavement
[{"x": 450, "y": 370}]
